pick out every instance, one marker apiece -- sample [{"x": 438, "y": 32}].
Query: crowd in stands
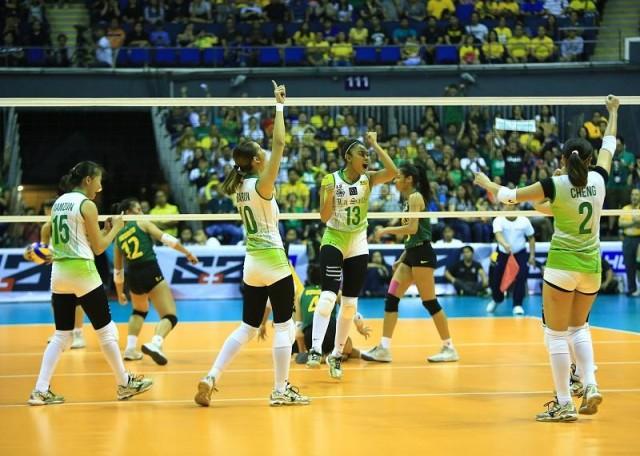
[{"x": 315, "y": 33}]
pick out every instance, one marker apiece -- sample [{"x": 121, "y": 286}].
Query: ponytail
[
  {"x": 78, "y": 173},
  {"x": 420, "y": 181},
  {"x": 232, "y": 181},
  {"x": 243, "y": 156},
  {"x": 124, "y": 205},
  {"x": 577, "y": 152}
]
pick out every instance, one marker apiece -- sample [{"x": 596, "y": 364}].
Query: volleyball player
[
  {"x": 344, "y": 253},
  {"x": 76, "y": 238},
  {"x": 572, "y": 274},
  {"x": 145, "y": 281},
  {"x": 416, "y": 264},
  {"x": 267, "y": 273}
]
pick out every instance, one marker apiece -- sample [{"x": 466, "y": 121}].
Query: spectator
[
  {"x": 571, "y": 47},
  {"x": 454, "y": 33},
  {"x": 303, "y": 36},
  {"x": 378, "y": 275},
  {"x": 518, "y": 46},
  {"x": 372, "y": 9},
  {"x": 61, "y": 54},
  {"x": 154, "y": 12},
  {"x": 415, "y": 10},
  {"x": 341, "y": 51},
  {"x": 320, "y": 11},
  {"x": 279, "y": 36},
  {"x": 609, "y": 283},
  {"x": 133, "y": 12},
  {"x": 555, "y": 7},
  {"x": 513, "y": 163},
  {"x": 512, "y": 235},
  {"x": 37, "y": 36},
  {"x": 477, "y": 29},
  {"x": 507, "y": 8},
  {"x": 436, "y": 8},
  {"x": 294, "y": 187},
  {"x": 186, "y": 236},
  {"x": 200, "y": 11},
  {"x": 162, "y": 207},
  {"x": 503, "y": 31},
  {"x": 359, "y": 35},
  {"x": 276, "y": 11},
  {"x": 344, "y": 11},
  {"x": 251, "y": 11},
  {"x": 178, "y": 12},
  {"x": 159, "y": 37},
  {"x": 593, "y": 127},
  {"x": 448, "y": 239},
  {"x": 104, "y": 53},
  {"x": 318, "y": 50},
  {"x": 187, "y": 38},
  {"x": 493, "y": 50},
  {"x": 200, "y": 238},
  {"x": 378, "y": 35},
  {"x": 204, "y": 40},
  {"x": 542, "y": 47},
  {"x": 469, "y": 53},
  {"x": 253, "y": 132},
  {"x": 108, "y": 10},
  {"x": 137, "y": 37},
  {"x": 630, "y": 242},
  {"x": 532, "y": 7},
  {"x": 583, "y": 6},
  {"x": 115, "y": 34},
  {"x": 411, "y": 53},
  {"x": 467, "y": 275},
  {"x": 431, "y": 37},
  {"x": 404, "y": 31}
]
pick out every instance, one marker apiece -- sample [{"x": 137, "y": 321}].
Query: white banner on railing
[{"x": 219, "y": 272}]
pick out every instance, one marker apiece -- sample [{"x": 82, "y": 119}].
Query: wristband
[
  {"x": 279, "y": 107},
  {"x": 507, "y": 195},
  {"x": 118, "y": 275},
  {"x": 168, "y": 240},
  {"x": 298, "y": 325}
]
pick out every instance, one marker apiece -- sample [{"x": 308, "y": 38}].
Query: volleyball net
[{"x": 180, "y": 150}]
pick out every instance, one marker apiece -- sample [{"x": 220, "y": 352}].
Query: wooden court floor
[{"x": 483, "y": 404}]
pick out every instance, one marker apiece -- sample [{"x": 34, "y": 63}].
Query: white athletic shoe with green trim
[
  {"x": 557, "y": 413},
  {"x": 290, "y": 396},
  {"x": 44, "y": 398},
  {"x": 137, "y": 384},
  {"x": 591, "y": 399},
  {"x": 335, "y": 366},
  {"x": 206, "y": 387}
]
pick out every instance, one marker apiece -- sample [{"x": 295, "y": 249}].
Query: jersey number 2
[{"x": 588, "y": 208}]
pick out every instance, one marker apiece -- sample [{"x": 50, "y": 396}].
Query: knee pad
[
  {"x": 556, "y": 341},
  {"x": 244, "y": 333},
  {"x": 63, "y": 338},
  {"x": 348, "y": 308},
  {"x": 579, "y": 334},
  {"x": 108, "y": 333},
  {"x": 172, "y": 319},
  {"x": 326, "y": 303},
  {"x": 284, "y": 334},
  {"x": 140, "y": 313},
  {"x": 391, "y": 303},
  {"x": 432, "y": 306}
]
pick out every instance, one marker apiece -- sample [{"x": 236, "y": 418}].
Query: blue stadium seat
[
  {"x": 446, "y": 55},
  {"x": 267, "y": 29},
  {"x": 189, "y": 56},
  {"x": 366, "y": 55},
  {"x": 165, "y": 57},
  {"x": 389, "y": 55},
  {"x": 122, "y": 57},
  {"x": 294, "y": 56},
  {"x": 139, "y": 56},
  {"x": 464, "y": 13},
  {"x": 269, "y": 56},
  {"x": 36, "y": 56},
  {"x": 213, "y": 56}
]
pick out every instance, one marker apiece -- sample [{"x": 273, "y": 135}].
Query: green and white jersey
[
  {"x": 68, "y": 232},
  {"x": 259, "y": 216},
  {"x": 575, "y": 245},
  {"x": 350, "y": 203}
]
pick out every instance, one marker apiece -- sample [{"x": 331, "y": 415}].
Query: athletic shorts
[
  {"x": 143, "y": 277},
  {"x": 350, "y": 244},
  {"x": 420, "y": 256},
  {"x": 74, "y": 276},
  {"x": 329, "y": 338},
  {"x": 265, "y": 267},
  {"x": 583, "y": 282}
]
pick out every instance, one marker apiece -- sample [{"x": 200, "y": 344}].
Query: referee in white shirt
[{"x": 512, "y": 234}]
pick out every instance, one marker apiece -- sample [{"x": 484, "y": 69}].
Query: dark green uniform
[
  {"x": 308, "y": 302},
  {"x": 419, "y": 252},
  {"x": 143, "y": 272},
  {"x": 424, "y": 230}
]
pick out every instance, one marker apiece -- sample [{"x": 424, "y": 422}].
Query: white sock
[
  {"x": 157, "y": 341},
  {"x": 348, "y": 309},
  {"x": 580, "y": 340},
  {"x": 447, "y": 342},
  {"x": 326, "y": 301},
  {"x": 51, "y": 357},
  {"x": 558, "y": 347},
  {"x": 132, "y": 342},
  {"x": 108, "y": 337},
  {"x": 77, "y": 332},
  {"x": 240, "y": 336},
  {"x": 281, "y": 354},
  {"x": 385, "y": 342}
]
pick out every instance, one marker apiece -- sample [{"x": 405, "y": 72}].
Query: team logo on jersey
[
  {"x": 340, "y": 193},
  {"x": 353, "y": 191}
]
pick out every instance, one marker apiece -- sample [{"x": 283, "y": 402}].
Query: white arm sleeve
[{"x": 168, "y": 240}]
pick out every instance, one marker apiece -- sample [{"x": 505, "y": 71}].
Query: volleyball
[{"x": 40, "y": 253}]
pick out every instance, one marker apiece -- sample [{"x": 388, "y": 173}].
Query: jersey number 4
[
  {"x": 60, "y": 229},
  {"x": 585, "y": 227}
]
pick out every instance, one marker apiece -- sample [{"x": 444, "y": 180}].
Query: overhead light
[{"x": 20, "y": 188}]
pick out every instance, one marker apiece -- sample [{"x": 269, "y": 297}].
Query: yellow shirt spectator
[
  {"x": 583, "y": 6},
  {"x": 167, "y": 209},
  {"x": 518, "y": 47},
  {"x": 206, "y": 41},
  {"x": 358, "y": 37},
  {"x": 487, "y": 9},
  {"x": 319, "y": 47},
  {"x": 316, "y": 121},
  {"x": 299, "y": 189},
  {"x": 508, "y": 6},
  {"x": 542, "y": 48},
  {"x": 300, "y": 39},
  {"x": 330, "y": 145},
  {"x": 341, "y": 51},
  {"x": 627, "y": 219},
  {"x": 493, "y": 50},
  {"x": 504, "y": 33},
  {"x": 436, "y": 7},
  {"x": 469, "y": 54}
]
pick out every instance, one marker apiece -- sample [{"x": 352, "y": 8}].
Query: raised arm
[
  {"x": 99, "y": 241},
  {"x": 168, "y": 240},
  {"x": 267, "y": 181},
  {"x": 533, "y": 192},
  {"x": 389, "y": 170},
  {"x": 608, "y": 148}
]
